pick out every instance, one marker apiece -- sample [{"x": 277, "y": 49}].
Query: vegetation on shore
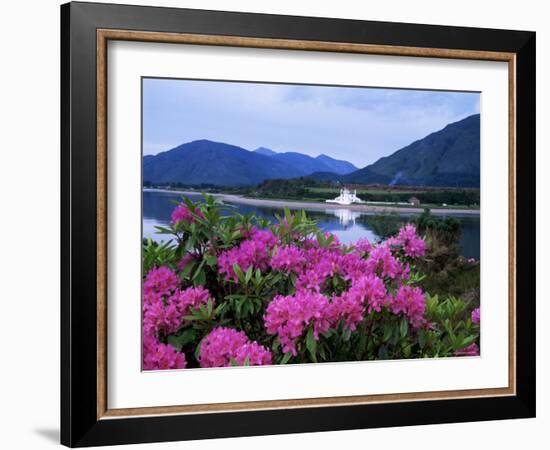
[{"x": 309, "y": 190}]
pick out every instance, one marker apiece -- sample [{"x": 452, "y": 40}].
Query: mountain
[
  {"x": 307, "y": 164},
  {"x": 265, "y": 151},
  {"x": 338, "y": 166},
  {"x": 304, "y": 163},
  {"x": 449, "y": 157},
  {"x": 208, "y": 162}
]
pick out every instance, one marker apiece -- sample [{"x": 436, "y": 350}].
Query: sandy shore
[{"x": 292, "y": 204}]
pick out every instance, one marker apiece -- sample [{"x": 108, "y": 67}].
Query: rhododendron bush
[{"x": 236, "y": 290}]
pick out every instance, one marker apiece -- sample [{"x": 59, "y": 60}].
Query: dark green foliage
[
  {"x": 292, "y": 189},
  {"x": 447, "y": 273}
]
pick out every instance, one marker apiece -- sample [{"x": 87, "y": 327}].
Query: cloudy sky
[{"x": 359, "y": 125}]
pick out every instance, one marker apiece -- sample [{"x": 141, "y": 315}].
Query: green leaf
[
  {"x": 258, "y": 276},
  {"x": 388, "y": 331},
  {"x": 346, "y": 334},
  {"x": 238, "y": 272},
  {"x": 403, "y": 327},
  {"x": 248, "y": 275},
  {"x": 187, "y": 269},
  {"x": 311, "y": 343},
  {"x": 288, "y": 216},
  {"x": 163, "y": 230},
  {"x": 209, "y": 307},
  {"x": 286, "y": 358},
  {"x": 199, "y": 279},
  {"x": 422, "y": 337},
  {"x": 211, "y": 260},
  {"x": 178, "y": 341}
]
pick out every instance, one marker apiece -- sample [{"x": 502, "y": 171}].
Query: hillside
[
  {"x": 309, "y": 164},
  {"x": 449, "y": 157}
]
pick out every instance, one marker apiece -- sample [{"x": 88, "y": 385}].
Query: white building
[{"x": 346, "y": 198}]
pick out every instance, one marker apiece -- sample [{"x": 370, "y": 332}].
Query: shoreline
[{"x": 295, "y": 204}]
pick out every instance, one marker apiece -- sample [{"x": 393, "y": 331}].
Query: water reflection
[{"x": 348, "y": 225}]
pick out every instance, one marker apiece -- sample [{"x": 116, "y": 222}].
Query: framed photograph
[{"x": 276, "y": 224}]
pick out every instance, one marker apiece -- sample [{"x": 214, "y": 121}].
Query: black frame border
[{"x": 79, "y": 423}]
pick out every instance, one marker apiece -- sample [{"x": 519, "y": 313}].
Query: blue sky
[{"x": 359, "y": 125}]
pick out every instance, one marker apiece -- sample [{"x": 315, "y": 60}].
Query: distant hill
[
  {"x": 308, "y": 164},
  {"x": 208, "y": 162},
  {"x": 265, "y": 151},
  {"x": 338, "y": 166},
  {"x": 449, "y": 157}
]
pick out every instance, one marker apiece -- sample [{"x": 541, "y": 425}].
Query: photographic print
[{"x": 294, "y": 224}]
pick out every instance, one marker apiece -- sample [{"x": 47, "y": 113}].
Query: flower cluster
[
  {"x": 382, "y": 262},
  {"x": 159, "y": 356},
  {"x": 182, "y": 213},
  {"x": 164, "y": 315},
  {"x": 252, "y": 252},
  {"x": 289, "y": 259},
  {"x": 159, "y": 281},
  {"x": 224, "y": 346},
  {"x": 164, "y": 309},
  {"x": 411, "y": 302},
  {"x": 289, "y": 316},
  {"x": 412, "y": 245}
]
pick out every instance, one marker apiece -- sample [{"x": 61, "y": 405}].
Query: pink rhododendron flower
[
  {"x": 248, "y": 254},
  {"x": 363, "y": 245},
  {"x": 411, "y": 302},
  {"x": 161, "y": 319},
  {"x": 476, "y": 316},
  {"x": 371, "y": 288},
  {"x": 471, "y": 350},
  {"x": 159, "y": 281},
  {"x": 223, "y": 345},
  {"x": 352, "y": 266},
  {"x": 289, "y": 316},
  {"x": 264, "y": 237},
  {"x": 391, "y": 242},
  {"x": 182, "y": 214},
  {"x": 159, "y": 356},
  {"x": 192, "y": 297},
  {"x": 288, "y": 258},
  {"x": 366, "y": 293},
  {"x": 383, "y": 263},
  {"x": 310, "y": 280},
  {"x": 165, "y": 316},
  {"x": 412, "y": 245}
]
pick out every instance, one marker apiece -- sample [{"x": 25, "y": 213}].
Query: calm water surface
[{"x": 348, "y": 225}]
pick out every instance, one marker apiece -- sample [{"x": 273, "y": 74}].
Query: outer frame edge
[{"x": 101, "y": 432}]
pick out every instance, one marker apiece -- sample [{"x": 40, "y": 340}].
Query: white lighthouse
[{"x": 346, "y": 197}]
